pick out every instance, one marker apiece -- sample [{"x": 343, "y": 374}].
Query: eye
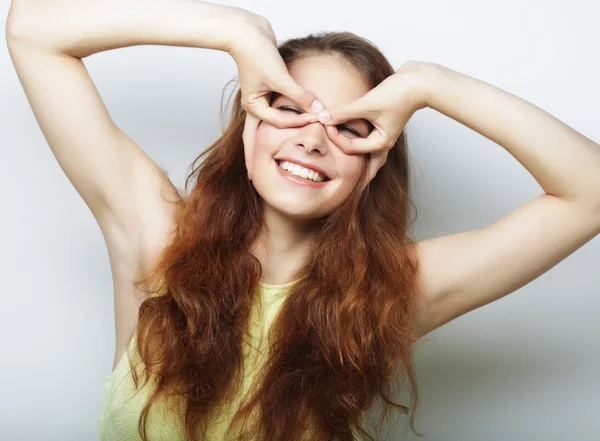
[
  {"x": 339, "y": 126},
  {"x": 287, "y": 108}
]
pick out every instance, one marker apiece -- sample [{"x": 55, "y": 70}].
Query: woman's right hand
[{"x": 261, "y": 72}]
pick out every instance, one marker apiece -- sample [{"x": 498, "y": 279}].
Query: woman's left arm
[
  {"x": 465, "y": 271},
  {"x": 563, "y": 161}
]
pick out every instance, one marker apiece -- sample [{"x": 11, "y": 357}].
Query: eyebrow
[{"x": 276, "y": 95}]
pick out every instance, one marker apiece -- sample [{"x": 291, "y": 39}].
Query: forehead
[{"x": 335, "y": 81}]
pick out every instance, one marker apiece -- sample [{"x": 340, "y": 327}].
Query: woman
[{"x": 281, "y": 295}]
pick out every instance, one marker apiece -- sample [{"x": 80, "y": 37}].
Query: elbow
[
  {"x": 15, "y": 29},
  {"x": 20, "y": 24}
]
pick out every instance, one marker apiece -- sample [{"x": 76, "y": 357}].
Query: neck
[{"x": 282, "y": 247}]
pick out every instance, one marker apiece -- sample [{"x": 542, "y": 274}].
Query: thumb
[
  {"x": 346, "y": 112},
  {"x": 303, "y": 97}
]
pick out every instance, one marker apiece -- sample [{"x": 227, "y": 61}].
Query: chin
[{"x": 295, "y": 211}]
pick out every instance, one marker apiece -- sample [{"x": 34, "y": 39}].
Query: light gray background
[{"x": 522, "y": 368}]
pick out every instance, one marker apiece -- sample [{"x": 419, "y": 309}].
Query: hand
[
  {"x": 263, "y": 71},
  {"x": 388, "y": 107}
]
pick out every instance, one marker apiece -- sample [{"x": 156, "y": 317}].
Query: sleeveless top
[{"x": 121, "y": 405}]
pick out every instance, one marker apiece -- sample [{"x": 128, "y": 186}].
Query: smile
[{"x": 298, "y": 179}]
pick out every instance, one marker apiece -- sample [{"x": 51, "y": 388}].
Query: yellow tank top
[{"x": 121, "y": 406}]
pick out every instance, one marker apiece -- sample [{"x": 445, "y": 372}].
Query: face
[{"x": 335, "y": 82}]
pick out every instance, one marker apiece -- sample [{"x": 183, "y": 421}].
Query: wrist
[
  {"x": 238, "y": 23},
  {"x": 427, "y": 77},
  {"x": 250, "y": 33}
]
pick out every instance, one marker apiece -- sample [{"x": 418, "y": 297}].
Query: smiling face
[{"x": 335, "y": 82}]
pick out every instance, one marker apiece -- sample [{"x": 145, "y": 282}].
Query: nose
[{"x": 313, "y": 136}]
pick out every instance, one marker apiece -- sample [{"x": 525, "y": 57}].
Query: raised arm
[
  {"x": 126, "y": 191},
  {"x": 120, "y": 184}
]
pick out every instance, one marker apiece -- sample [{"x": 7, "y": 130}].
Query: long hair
[{"x": 345, "y": 330}]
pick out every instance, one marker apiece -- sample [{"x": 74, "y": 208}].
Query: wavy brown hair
[{"x": 345, "y": 331}]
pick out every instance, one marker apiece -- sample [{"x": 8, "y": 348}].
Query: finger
[
  {"x": 341, "y": 114},
  {"x": 249, "y": 137},
  {"x": 375, "y": 163},
  {"x": 301, "y": 96},
  {"x": 344, "y": 143},
  {"x": 348, "y": 145},
  {"x": 356, "y": 146},
  {"x": 277, "y": 118}
]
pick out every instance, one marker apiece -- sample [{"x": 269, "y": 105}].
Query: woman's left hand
[{"x": 388, "y": 107}]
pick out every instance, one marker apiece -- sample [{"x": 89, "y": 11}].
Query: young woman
[{"x": 280, "y": 297}]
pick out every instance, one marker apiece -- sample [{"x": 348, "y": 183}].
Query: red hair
[{"x": 345, "y": 331}]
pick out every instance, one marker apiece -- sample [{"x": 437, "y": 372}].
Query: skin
[{"x": 289, "y": 208}]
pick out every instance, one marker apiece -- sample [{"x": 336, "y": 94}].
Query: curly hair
[{"x": 344, "y": 333}]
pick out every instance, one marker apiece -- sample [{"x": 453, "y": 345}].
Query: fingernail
[
  {"x": 317, "y": 106},
  {"x": 324, "y": 116}
]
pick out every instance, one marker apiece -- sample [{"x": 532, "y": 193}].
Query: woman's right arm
[{"x": 122, "y": 186}]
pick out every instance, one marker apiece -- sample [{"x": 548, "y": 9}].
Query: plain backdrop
[{"x": 522, "y": 368}]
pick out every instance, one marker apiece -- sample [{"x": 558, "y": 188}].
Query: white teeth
[{"x": 297, "y": 170}]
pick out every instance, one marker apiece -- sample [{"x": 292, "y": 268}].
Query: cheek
[
  {"x": 266, "y": 140},
  {"x": 349, "y": 172},
  {"x": 352, "y": 169},
  {"x": 266, "y": 129}
]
